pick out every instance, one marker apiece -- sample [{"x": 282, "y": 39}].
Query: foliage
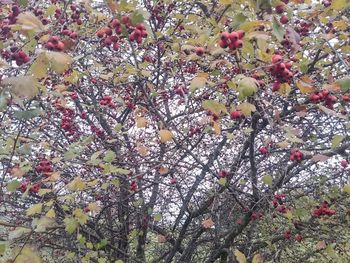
[{"x": 174, "y": 131}]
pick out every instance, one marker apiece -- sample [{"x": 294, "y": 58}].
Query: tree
[{"x": 175, "y": 131}]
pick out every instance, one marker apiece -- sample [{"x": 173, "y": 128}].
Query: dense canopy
[{"x": 174, "y": 131}]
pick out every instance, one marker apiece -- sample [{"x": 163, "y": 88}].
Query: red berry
[
  {"x": 200, "y": 51},
  {"x": 223, "y": 44},
  {"x": 235, "y": 115},
  {"x": 276, "y": 59},
  {"x": 344, "y": 163},
  {"x": 279, "y": 9},
  {"x": 284, "y": 19},
  {"x": 263, "y": 150},
  {"x": 241, "y": 34},
  {"x": 298, "y": 237},
  {"x": 233, "y": 36},
  {"x": 238, "y": 44}
]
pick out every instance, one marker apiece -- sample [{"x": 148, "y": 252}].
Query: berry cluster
[
  {"x": 280, "y": 9},
  {"x": 44, "y": 167},
  {"x": 325, "y": 96},
  {"x": 54, "y": 43},
  {"x": 323, "y": 210},
  {"x": 281, "y": 71},
  {"x": 138, "y": 33},
  {"x": 302, "y": 27},
  {"x": 296, "y": 155},
  {"x": 69, "y": 33},
  {"x": 107, "y": 101},
  {"x": 33, "y": 189},
  {"x": 20, "y": 57},
  {"x": 193, "y": 131},
  {"x": 96, "y": 130},
  {"x": 232, "y": 40},
  {"x": 67, "y": 122}
]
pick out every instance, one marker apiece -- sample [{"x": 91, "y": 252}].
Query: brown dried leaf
[{"x": 207, "y": 223}]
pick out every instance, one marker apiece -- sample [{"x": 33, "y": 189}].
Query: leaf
[
  {"x": 321, "y": 245},
  {"x": 240, "y": 256},
  {"x": 214, "y": 106},
  {"x": 76, "y": 184},
  {"x": 80, "y": 216},
  {"x": 28, "y": 255},
  {"x": 109, "y": 156},
  {"x": 320, "y": 158},
  {"x": 285, "y": 89},
  {"x": 208, "y": 223},
  {"x": 246, "y": 108},
  {"x": 18, "y": 232},
  {"x": 257, "y": 259},
  {"x": 222, "y": 181},
  {"x": 246, "y": 87},
  {"x": 336, "y": 140},
  {"x": 217, "y": 128},
  {"x": 17, "y": 171},
  {"x": 2, "y": 248},
  {"x": 344, "y": 84},
  {"x": 51, "y": 213},
  {"x": 27, "y": 21},
  {"x": 250, "y": 25},
  {"x": 197, "y": 83},
  {"x": 293, "y": 37},
  {"x": 163, "y": 170},
  {"x": 59, "y": 62},
  {"x": 332, "y": 112},
  {"x": 346, "y": 188},
  {"x": 165, "y": 135},
  {"x": 157, "y": 217},
  {"x": 22, "y": 86},
  {"x": 39, "y": 67},
  {"x": 267, "y": 179},
  {"x": 141, "y": 122},
  {"x": 277, "y": 29},
  {"x": 339, "y": 5},
  {"x": 70, "y": 224},
  {"x": 12, "y": 186},
  {"x": 27, "y": 114},
  {"x": 34, "y": 209},
  {"x": 304, "y": 87},
  {"x": 93, "y": 207}
]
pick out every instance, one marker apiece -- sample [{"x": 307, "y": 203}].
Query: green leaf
[
  {"x": 2, "y": 248},
  {"x": 34, "y": 209},
  {"x": 71, "y": 224},
  {"x": 246, "y": 87},
  {"x": 157, "y": 217},
  {"x": 222, "y": 181},
  {"x": 339, "y": 4},
  {"x": 267, "y": 179},
  {"x": 27, "y": 114},
  {"x": 246, "y": 108},
  {"x": 277, "y": 29},
  {"x": 214, "y": 106},
  {"x": 109, "y": 156},
  {"x": 344, "y": 84},
  {"x": 336, "y": 140},
  {"x": 23, "y": 3},
  {"x": 12, "y": 186},
  {"x": 80, "y": 216},
  {"x": 346, "y": 188}
]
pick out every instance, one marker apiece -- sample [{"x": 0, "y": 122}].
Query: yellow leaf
[
  {"x": 217, "y": 128},
  {"x": 143, "y": 150},
  {"x": 27, "y": 255},
  {"x": 339, "y": 4},
  {"x": 93, "y": 207},
  {"x": 59, "y": 61},
  {"x": 141, "y": 122},
  {"x": 165, "y": 135},
  {"x": 257, "y": 259},
  {"x": 347, "y": 188},
  {"x": 214, "y": 106},
  {"x": 22, "y": 86},
  {"x": 80, "y": 216},
  {"x": 197, "y": 83},
  {"x": 39, "y": 67},
  {"x": 34, "y": 209},
  {"x": 340, "y": 25},
  {"x": 207, "y": 223},
  {"x": 240, "y": 256},
  {"x": 17, "y": 172},
  {"x": 29, "y": 22},
  {"x": 163, "y": 170},
  {"x": 246, "y": 108},
  {"x": 304, "y": 87},
  {"x": 53, "y": 177},
  {"x": 285, "y": 89},
  {"x": 76, "y": 184},
  {"x": 249, "y": 26},
  {"x": 51, "y": 213}
]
